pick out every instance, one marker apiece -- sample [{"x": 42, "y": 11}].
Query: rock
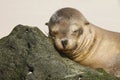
[{"x": 27, "y": 54}]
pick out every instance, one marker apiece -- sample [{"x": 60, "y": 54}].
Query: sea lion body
[{"x": 84, "y": 42}]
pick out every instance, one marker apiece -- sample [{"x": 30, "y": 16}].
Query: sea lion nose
[{"x": 64, "y": 43}]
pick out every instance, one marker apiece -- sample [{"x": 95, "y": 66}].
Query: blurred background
[{"x": 103, "y": 13}]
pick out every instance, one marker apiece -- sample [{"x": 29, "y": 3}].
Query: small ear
[
  {"x": 46, "y": 23},
  {"x": 87, "y": 23}
]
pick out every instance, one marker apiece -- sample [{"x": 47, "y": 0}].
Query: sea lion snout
[
  {"x": 65, "y": 38},
  {"x": 65, "y": 44}
]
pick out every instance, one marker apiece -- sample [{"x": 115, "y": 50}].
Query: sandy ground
[{"x": 104, "y": 13}]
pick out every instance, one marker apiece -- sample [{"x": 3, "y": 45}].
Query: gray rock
[{"x": 27, "y": 54}]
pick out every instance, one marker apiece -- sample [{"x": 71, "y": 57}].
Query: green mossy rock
[{"x": 27, "y": 54}]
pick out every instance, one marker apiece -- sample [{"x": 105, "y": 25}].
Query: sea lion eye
[
  {"x": 54, "y": 33},
  {"x": 76, "y": 31},
  {"x": 80, "y": 31}
]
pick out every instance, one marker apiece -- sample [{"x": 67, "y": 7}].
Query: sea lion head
[{"x": 65, "y": 27}]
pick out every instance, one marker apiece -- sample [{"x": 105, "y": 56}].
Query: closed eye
[
  {"x": 54, "y": 33},
  {"x": 78, "y": 31}
]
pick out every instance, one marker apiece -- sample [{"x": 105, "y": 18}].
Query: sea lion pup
[{"x": 84, "y": 42}]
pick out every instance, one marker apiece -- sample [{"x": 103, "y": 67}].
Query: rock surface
[{"x": 27, "y": 54}]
